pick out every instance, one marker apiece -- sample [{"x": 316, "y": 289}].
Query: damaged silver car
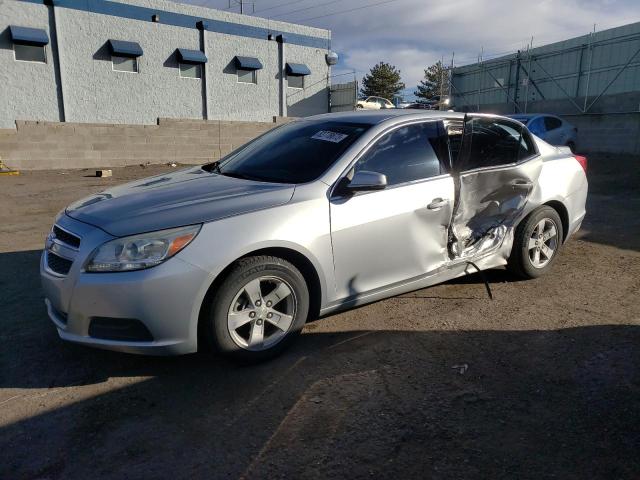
[{"x": 315, "y": 216}]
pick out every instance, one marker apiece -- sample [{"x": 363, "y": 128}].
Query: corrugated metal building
[
  {"x": 592, "y": 80},
  {"x": 133, "y": 61}
]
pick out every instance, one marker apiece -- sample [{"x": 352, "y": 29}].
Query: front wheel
[
  {"x": 260, "y": 307},
  {"x": 537, "y": 241}
]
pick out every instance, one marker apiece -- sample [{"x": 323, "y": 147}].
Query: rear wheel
[
  {"x": 537, "y": 241},
  {"x": 259, "y": 308}
]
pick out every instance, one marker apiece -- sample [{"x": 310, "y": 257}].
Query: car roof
[
  {"x": 373, "y": 117},
  {"x": 529, "y": 116}
]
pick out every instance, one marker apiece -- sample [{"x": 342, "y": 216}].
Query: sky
[{"x": 413, "y": 34}]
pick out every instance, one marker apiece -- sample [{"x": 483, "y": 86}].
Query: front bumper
[{"x": 166, "y": 299}]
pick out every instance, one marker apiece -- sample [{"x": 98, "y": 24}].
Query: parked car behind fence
[{"x": 374, "y": 103}]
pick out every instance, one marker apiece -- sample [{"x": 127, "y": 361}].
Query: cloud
[{"x": 413, "y": 34}]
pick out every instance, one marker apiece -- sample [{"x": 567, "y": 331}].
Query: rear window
[
  {"x": 298, "y": 152},
  {"x": 489, "y": 142},
  {"x": 551, "y": 123}
]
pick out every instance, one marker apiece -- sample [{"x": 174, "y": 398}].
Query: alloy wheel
[
  {"x": 543, "y": 243},
  {"x": 261, "y": 313}
]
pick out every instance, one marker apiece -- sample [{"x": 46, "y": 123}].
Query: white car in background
[{"x": 374, "y": 103}]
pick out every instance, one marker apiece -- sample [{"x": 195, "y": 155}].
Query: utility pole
[
  {"x": 242, "y": 3},
  {"x": 450, "y": 80},
  {"x": 526, "y": 95},
  {"x": 480, "y": 77}
]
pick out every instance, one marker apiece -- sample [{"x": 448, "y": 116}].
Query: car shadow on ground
[
  {"x": 489, "y": 404},
  {"x": 383, "y": 404},
  {"x": 613, "y": 202}
]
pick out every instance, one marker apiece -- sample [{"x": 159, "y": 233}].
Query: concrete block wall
[
  {"x": 53, "y": 145},
  {"x": 607, "y": 133}
]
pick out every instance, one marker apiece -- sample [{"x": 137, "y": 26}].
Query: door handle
[
  {"x": 522, "y": 184},
  {"x": 437, "y": 203}
]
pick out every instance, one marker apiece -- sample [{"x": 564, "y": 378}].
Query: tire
[
  {"x": 242, "y": 301},
  {"x": 359, "y": 107},
  {"x": 522, "y": 261}
]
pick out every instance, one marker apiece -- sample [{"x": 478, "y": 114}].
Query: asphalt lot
[{"x": 541, "y": 382}]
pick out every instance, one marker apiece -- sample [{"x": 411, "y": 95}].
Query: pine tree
[
  {"x": 436, "y": 80},
  {"x": 382, "y": 81}
]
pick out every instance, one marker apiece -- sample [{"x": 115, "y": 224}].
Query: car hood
[{"x": 184, "y": 197}]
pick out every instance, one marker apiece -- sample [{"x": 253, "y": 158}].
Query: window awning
[
  {"x": 125, "y": 49},
  {"x": 297, "y": 69},
  {"x": 191, "y": 56},
  {"x": 248, "y": 63},
  {"x": 28, "y": 36}
]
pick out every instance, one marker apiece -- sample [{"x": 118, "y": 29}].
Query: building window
[
  {"x": 191, "y": 70},
  {"x": 29, "y": 44},
  {"x": 295, "y": 81},
  {"x": 30, "y": 53},
  {"x": 125, "y": 64},
  {"x": 247, "y": 76}
]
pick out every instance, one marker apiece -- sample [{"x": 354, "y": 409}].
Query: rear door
[
  {"x": 495, "y": 173},
  {"x": 389, "y": 236}
]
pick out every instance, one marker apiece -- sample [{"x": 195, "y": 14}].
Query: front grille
[
  {"x": 66, "y": 237},
  {"x": 58, "y": 264}
]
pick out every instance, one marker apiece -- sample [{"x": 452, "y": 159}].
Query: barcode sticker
[{"x": 329, "y": 136}]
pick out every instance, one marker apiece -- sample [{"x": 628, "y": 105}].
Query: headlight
[{"x": 142, "y": 251}]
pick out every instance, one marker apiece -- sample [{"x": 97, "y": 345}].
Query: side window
[
  {"x": 454, "y": 136},
  {"x": 408, "y": 153},
  {"x": 490, "y": 142},
  {"x": 536, "y": 126},
  {"x": 552, "y": 123}
]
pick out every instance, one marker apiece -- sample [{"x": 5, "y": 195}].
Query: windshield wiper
[
  {"x": 242, "y": 176},
  {"x": 213, "y": 167}
]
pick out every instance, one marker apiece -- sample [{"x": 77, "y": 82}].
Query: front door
[{"x": 389, "y": 236}]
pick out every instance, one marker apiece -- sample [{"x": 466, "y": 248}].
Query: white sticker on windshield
[{"x": 329, "y": 136}]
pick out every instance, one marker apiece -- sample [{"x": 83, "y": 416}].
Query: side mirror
[{"x": 364, "y": 181}]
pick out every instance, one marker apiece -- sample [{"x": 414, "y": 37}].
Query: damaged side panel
[{"x": 495, "y": 172}]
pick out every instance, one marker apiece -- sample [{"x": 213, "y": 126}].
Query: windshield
[{"x": 298, "y": 152}]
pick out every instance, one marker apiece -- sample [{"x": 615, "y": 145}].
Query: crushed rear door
[{"x": 495, "y": 166}]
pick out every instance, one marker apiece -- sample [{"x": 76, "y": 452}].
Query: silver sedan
[{"x": 316, "y": 216}]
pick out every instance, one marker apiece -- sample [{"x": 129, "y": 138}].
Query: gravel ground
[{"x": 542, "y": 382}]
